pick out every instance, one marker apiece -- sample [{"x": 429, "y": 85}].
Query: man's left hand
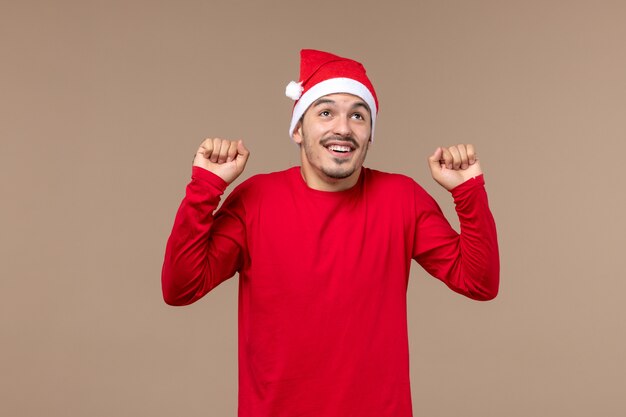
[{"x": 454, "y": 165}]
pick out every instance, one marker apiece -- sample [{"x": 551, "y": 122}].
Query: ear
[{"x": 297, "y": 133}]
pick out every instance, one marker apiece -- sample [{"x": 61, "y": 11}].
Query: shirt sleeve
[
  {"x": 468, "y": 262},
  {"x": 203, "y": 249}
]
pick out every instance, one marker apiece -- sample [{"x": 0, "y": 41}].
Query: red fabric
[
  {"x": 317, "y": 66},
  {"x": 323, "y": 278}
]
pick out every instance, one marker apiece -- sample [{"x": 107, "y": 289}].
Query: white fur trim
[
  {"x": 294, "y": 90},
  {"x": 332, "y": 86}
]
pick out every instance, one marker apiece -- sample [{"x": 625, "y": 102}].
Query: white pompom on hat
[{"x": 322, "y": 73}]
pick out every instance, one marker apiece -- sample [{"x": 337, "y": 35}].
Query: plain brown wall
[{"x": 103, "y": 104}]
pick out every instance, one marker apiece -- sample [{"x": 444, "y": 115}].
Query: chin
[{"x": 339, "y": 174}]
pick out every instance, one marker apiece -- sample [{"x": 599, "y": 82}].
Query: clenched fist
[
  {"x": 225, "y": 158},
  {"x": 454, "y": 165}
]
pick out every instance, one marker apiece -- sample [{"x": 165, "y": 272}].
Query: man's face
[{"x": 334, "y": 135}]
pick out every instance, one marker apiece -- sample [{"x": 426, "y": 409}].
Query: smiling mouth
[
  {"x": 343, "y": 149},
  {"x": 340, "y": 147}
]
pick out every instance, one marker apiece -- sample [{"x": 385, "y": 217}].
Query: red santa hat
[{"x": 321, "y": 74}]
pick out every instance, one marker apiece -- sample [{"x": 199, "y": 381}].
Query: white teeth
[{"x": 339, "y": 148}]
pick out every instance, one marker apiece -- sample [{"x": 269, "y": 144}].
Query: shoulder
[
  {"x": 396, "y": 188},
  {"x": 389, "y": 180},
  {"x": 263, "y": 184}
]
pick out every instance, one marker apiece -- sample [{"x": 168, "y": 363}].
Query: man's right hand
[{"x": 225, "y": 158}]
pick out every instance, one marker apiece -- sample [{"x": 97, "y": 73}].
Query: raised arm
[
  {"x": 202, "y": 250},
  {"x": 468, "y": 262}
]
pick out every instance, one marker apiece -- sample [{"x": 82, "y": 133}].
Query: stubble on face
[
  {"x": 334, "y": 136},
  {"x": 340, "y": 171}
]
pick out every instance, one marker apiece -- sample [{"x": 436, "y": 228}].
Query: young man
[{"x": 323, "y": 253}]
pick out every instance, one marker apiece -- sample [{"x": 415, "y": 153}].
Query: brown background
[{"x": 103, "y": 104}]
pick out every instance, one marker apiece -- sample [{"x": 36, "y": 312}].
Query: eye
[
  {"x": 358, "y": 116},
  {"x": 325, "y": 113}
]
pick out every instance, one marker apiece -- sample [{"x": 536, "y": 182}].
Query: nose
[{"x": 342, "y": 126}]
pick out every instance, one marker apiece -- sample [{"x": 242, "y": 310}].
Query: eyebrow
[
  {"x": 361, "y": 104},
  {"x": 322, "y": 100}
]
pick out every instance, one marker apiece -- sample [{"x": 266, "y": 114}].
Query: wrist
[{"x": 204, "y": 175}]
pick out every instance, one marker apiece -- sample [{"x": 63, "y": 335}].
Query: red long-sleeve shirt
[{"x": 322, "y": 282}]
